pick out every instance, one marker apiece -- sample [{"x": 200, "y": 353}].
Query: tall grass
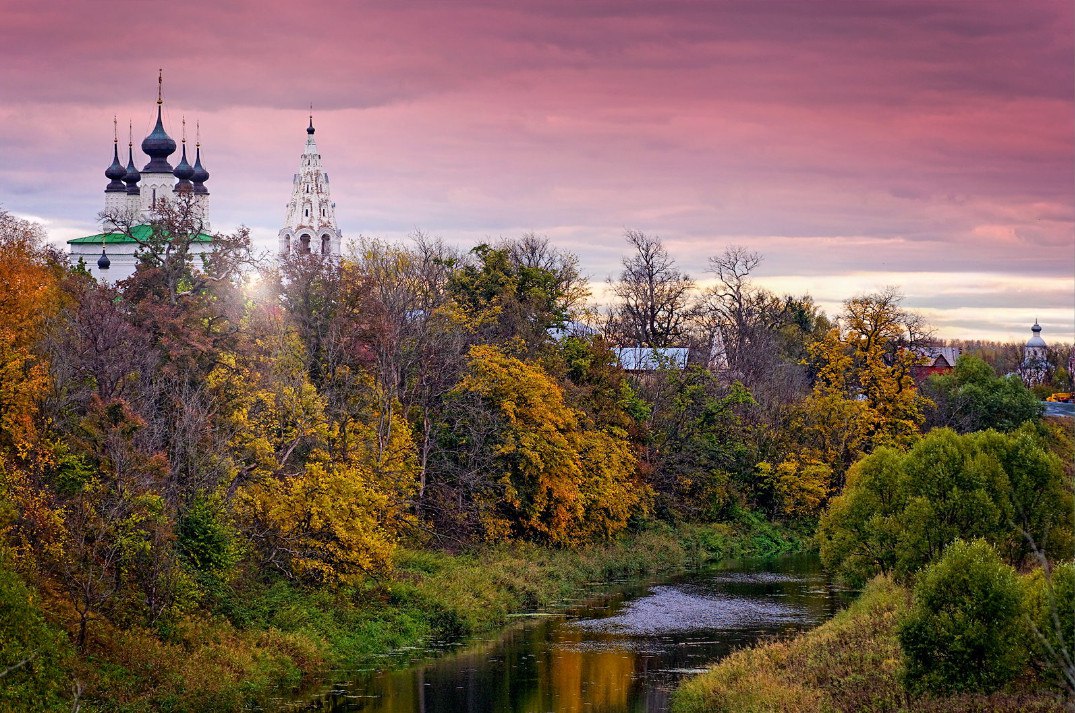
[{"x": 853, "y": 662}]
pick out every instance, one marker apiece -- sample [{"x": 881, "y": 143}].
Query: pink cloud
[{"x": 935, "y": 131}]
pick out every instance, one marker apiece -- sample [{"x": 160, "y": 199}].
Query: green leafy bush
[
  {"x": 32, "y": 653},
  {"x": 965, "y": 631},
  {"x": 1050, "y": 605},
  {"x": 900, "y": 510}
]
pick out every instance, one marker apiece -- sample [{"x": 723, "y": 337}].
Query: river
[{"x": 622, "y": 652}]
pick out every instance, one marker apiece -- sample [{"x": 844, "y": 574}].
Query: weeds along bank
[
  {"x": 854, "y": 662},
  {"x": 266, "y": 641}
]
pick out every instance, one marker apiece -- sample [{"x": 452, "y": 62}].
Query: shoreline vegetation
[
  {"x": 853, "y": 662},
  {"x": 279, "y": 642}
]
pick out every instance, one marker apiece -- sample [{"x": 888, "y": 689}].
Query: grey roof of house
[
  {"x": 649, "y": 359},
  {"x": 949, "y": 354}
]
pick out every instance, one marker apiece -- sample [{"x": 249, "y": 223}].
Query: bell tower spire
[{"x": 310, "y": 222}]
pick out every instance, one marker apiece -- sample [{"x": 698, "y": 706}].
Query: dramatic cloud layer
[{"x": 856, "y": 144}]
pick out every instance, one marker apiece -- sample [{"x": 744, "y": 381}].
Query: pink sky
[{"x": 856, "y": 144}]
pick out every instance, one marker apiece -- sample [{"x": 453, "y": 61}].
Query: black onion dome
[
  {"x": 132, "y": 176},
  {"x": 200, "y": 174},
  {"x": 183, "y": 172},
  {"x": 115, "y": 173},
  {"x": 103, "y": 262},
  {"x": 310, "y": 128},
  {"x": 158, "y": 146}
]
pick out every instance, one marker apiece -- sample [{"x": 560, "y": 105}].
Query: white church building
[
  {"x": 111, "y": 255},
  {"x": 131, "y": 195}
]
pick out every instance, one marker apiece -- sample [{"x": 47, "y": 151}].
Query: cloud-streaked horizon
[{"x": 855, "y": 144}]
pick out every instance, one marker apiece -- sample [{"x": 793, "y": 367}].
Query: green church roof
[{"x": 141, "y": 233}]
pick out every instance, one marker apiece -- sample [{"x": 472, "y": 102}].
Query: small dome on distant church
[
  {"x": 158, "y": 146},
  {"x": 1036, "y": 340},
  {"x": 200, "y": 174},
  {"x": 115, "y": 173},
  {"x": 131, "y": 177},
  {"x": 103, "y": 262},
  {"x": 184, "y": 171}
]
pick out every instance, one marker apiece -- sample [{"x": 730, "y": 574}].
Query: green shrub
[
  {"x": 1050, "y": 606},
  {"x": 203, "y": 538},
  {"x": 965, "y": 631},
  {"x": 32, "y": 652},
  {"x": 973, "y": 398}
]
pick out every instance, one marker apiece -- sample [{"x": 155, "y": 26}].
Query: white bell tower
[{"x": 310, "y": 221}]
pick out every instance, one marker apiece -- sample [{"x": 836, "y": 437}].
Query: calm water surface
[{"x": 622, "y": 653}]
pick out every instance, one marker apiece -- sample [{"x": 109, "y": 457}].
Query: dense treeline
[
  {"x": 211, "y": 428},
  {"x": 1005, "y": 357}
]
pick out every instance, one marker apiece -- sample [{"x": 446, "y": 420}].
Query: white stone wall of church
[
  {"x": 156, "y": 185},
  {"x": 122, "y": 259},
  {"x": 201, "y": 204},
  {"x": 134, "y": 204},
  {"x": 116, "y": 203}
]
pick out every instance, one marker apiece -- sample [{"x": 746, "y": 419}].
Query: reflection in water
[{"x": 622, "y": 654}]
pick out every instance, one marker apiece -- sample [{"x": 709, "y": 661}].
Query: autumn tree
[
  {"x": 695, "y": 445},
  {"x": 864, "y": 395},
  {"x": 117, "y": 534},
  {"x": 652, "y": 296},
  {"x": 521, "y": 462},
  {"x": 399, "y": 300},
  {"x": 308, "y": 288},
  {"x": 167, "y": 245},
  {"x": 30, "y": 296},
  {"x": 338, "y": 518},
  {"x": 570, "y": 288},
  {"x": 517, "y": 290},
  {"x": 321, "y": 500}
]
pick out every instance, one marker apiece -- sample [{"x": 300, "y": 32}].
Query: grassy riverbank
[
  {"x": 274, "y": 636},
  {"x": 851, "y": 663}
]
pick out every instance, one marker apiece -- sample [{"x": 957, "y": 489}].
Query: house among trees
[
  {"x": 644, "y": 359},
  {"x": 934, "y": 360}
]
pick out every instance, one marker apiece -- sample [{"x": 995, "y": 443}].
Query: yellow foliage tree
[
  {"x": 324, "y": 502},
  {"x": 30, "y": 296},
  {"x": 271, "y": 410},
  {"x": 864, "y": 395},
  {"x": 554, "y": 478},
  {"x": 800, "y": 489},
  {"x": 340, "y": 517}
]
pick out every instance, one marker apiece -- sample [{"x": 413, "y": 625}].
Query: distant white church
[
  {"x": 111, "y": 255},
  {"x": 1035, "y": 367},
  {"x": 310, "y": 221}
]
